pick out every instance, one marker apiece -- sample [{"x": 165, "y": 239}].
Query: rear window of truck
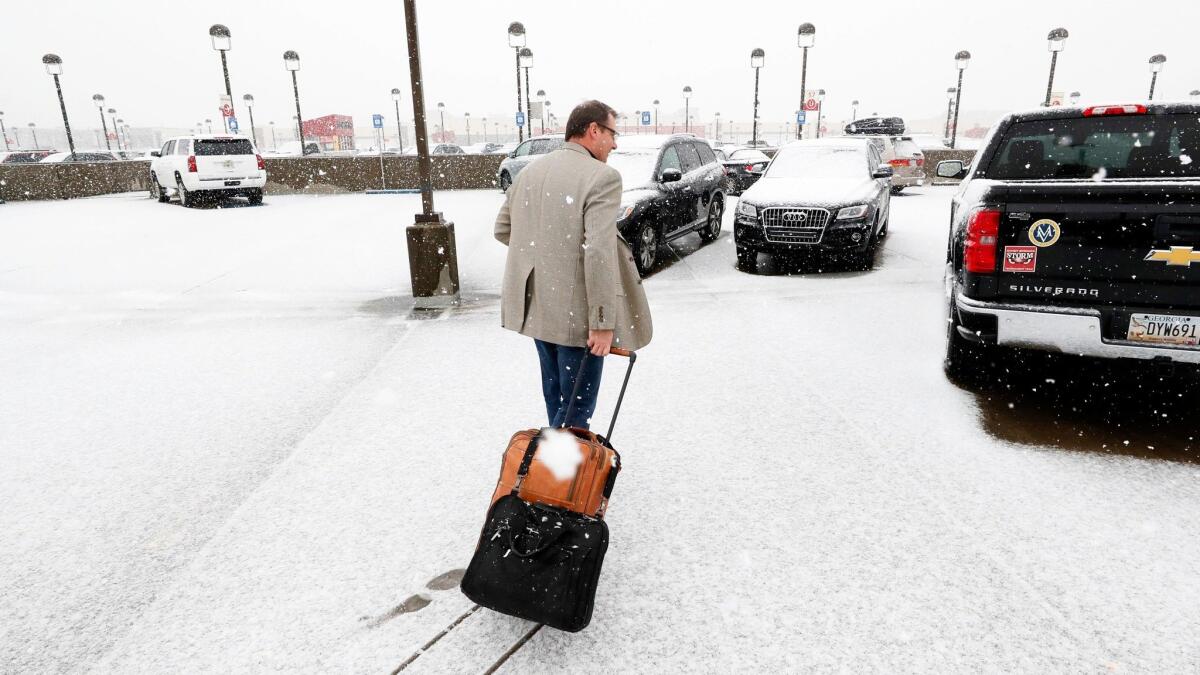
[
  {"x": 1102, "y": 147},
  {"x": 237, "y": 146}
]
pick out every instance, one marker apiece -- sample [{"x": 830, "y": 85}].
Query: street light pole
[
  {"x": 961, "y": 60},
  {"x": 274, "y": 143},
  {"x": 250, "y": 107},
  {"x": 516, "y": 40},
  {"x": 541, "y": 96},
  {"x": 1156, "y": 66},
  {"x": 806, "y": 37},
  {"x": 99, "y": 101},
  {"x": 717, "y": 124},
  {"x": 950, "y": 92},
  {"x": 432, "y": 253},
  {"x": 655, "y": 104},
  {"x": 54, "y": 67},
  {"x": 4, "y": 132},
  {"x": 526, "y": 61},
  {"x": 442, "y": 117},
  {"x": 221, "y": 42},
  {"x": 467, "y": 117},
  {"x": 33, "y": 130},
  {"x": 1058, "y": 41},
  {"x": 687, "y": 99},
  {"x": 112, "y": 115},
  {"x": 291, "y": 61},
  {"x": 854, "y": 110},
  {"x": 757, "y": 58},
  {"x": 820, "y": 109},
  {"x": 399, "y": 129},
  {"x": 209, "y": 123}
]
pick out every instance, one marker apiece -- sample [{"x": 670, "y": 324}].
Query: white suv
[{"x": 209, "y": 165}]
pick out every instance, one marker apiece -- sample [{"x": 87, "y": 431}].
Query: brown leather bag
[{"x": 588, "y": 491}]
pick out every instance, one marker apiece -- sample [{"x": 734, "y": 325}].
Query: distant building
[{"x": 331, "y": 132}]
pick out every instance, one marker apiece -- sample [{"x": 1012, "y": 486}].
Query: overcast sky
[{"x": 153, "y": 60}]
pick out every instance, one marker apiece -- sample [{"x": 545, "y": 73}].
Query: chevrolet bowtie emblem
[{"x": 1182, "y": 256}]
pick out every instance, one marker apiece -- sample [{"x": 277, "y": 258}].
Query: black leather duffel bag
[{"x": 538, "y": 562}]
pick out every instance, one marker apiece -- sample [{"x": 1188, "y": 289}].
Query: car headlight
[
  {"x": 852, "y": 212},
  {"x": 625, "y": 212},
  {"x": 746, "y": 209}
]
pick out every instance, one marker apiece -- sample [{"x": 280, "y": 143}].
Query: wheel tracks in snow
[{"x": 496, "y": 665}]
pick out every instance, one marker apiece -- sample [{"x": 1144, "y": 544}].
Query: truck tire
[
  {"x": 186, "y": 199},
  {"x": 966, "y": 362}
]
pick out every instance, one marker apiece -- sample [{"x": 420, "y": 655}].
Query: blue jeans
[{"x": 560, "y": 366}]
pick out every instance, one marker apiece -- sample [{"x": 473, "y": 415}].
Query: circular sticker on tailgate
[{"x": 1044, "y": 232}]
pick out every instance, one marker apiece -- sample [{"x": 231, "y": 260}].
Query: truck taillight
[
  {"x": 191, "y": 164},
  {"x": 262, "y": 166},
  {"x": 1114, "y": 110},
  {"x": 983, "y": 231},
  {"x": 898, "y": 162}
]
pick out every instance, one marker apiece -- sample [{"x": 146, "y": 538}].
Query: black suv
[
  {"x": 1077, "y": 231},
  {"x": 673, "y": 187}
]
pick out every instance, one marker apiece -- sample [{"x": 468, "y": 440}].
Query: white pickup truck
[{"x": 207, "y": 166}]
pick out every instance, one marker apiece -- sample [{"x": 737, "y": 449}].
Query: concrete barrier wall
[
  {"x": 292, "y": 175},
  {"x": 285, "y": 175}
]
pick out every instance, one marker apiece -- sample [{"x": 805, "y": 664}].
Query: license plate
[
  {"x": 231, "y": 183},
  {"x": 1165, "y": 329}
]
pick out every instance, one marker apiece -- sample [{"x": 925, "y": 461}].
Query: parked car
[
  {"x": 1076, "y": 231},
  {"x": 523, "y": 155},
  {"x": 672, "y": 188},
  {"x": 76, "y": 157},
  {"x": 27, "y": 156},
  {"x": 743, "y": 166},
  {"x": 826, "y": 196},
  {"x": 447, "y": 149},
  {"x": 208, "y": 166},
  {"x": 905, "y": 158}
]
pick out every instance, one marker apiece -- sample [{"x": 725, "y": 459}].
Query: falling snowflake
[
  {"x": 571, "y": 200},
  {"x": 1100, "y": 174},
  {"x": 1183, "y": 159}
]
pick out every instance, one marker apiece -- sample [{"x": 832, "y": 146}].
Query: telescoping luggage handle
[{"x": 531, "y": 449}]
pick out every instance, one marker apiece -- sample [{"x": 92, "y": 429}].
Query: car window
[
  {"x": 523, "y": 149},
  {"x": 223, "y": 146},
  {"x": 182, "y": 147},
  {"x": 688, "y": 156},
  {"x": 820, "y": 162},
  {"x": 542, "y": 146},
  {"x": 749, "y": 156},
  {"x": 907, "y": 148},
  {"x": 721, "y": 156},
  {"x": 1124, "y": 146},
  {"x": 670, "y": 160},
  {"x": 167, "y": 148},
  {"x": 706, "y": 153}
]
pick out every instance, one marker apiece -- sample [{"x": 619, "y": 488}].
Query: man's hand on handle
[{"x": 600, "y": 342}]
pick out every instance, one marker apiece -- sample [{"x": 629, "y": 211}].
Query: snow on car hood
[{"x": 809, "y": 191}]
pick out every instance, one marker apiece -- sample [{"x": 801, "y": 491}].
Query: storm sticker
[
  {"x": 1020, "y": 258},
  {"x": 1044, "y": 232}
]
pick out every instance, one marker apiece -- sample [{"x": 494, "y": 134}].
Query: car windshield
[
  {"x": 233, "y": 146},
  {"x": 818, "y": 163},
  {"x": 636, "y": 168},
  {"x": 1120, "y": 146},
  {"x": 750, "y": 156}
]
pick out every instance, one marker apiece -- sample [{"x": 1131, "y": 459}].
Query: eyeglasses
[{"x": 610, "y": 130}]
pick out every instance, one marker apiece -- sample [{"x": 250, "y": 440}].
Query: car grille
[{"x": 786, "y": 225}]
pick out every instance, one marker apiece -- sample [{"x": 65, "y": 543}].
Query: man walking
[{"x": 570, "y": 282}]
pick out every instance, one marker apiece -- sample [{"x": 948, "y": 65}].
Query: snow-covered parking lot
[{"x": 228, "y": 444}]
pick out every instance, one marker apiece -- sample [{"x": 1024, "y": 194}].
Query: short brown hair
[{"x": 584, "y": 114}]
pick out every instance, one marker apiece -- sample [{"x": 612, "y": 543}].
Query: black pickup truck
[{"x": 1077, "y": 230}]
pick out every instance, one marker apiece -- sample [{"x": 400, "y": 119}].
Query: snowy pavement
[{"x": 229, "y": 445}]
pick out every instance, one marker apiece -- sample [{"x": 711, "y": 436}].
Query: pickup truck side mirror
[
  {"x": 671, "y": 176},
  {"x": 883, "y": 172},
  {"x": 952, "y": 168},
  {"x": 156, "y": 153}
]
